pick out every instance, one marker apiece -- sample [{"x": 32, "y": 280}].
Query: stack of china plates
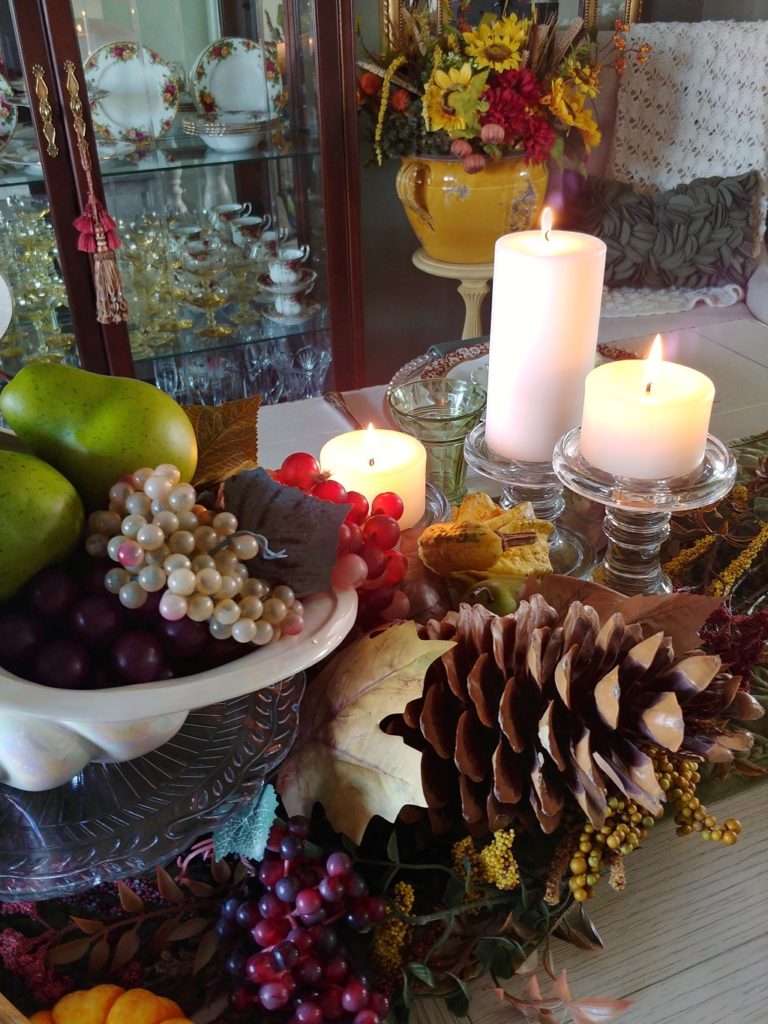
[{"x": 230, "y": 131}]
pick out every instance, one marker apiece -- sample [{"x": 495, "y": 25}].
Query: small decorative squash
[{"x": 110, "y": 1004}]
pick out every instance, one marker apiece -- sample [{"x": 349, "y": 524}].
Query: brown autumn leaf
[
  {"x": 126, "y": 949},
  {"x": 227, "y": 438},
  {"x": 679, "y": 615},
  {"x": 97, "y": 961},
  {"x": 207, "y": 948},
  {"x": 68, "y": 952},
  {"x": 167, "y": 887},
  {"x": 129, "y": 901},
  {"x": 87, "y": 926},
  {"x": 342, "y": 758}
]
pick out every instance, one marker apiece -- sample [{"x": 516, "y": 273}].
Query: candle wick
[
  {"x": 371, "y": 463},
  {"x": 546, "y": 235},
  {"x": 648, "y": 387}
]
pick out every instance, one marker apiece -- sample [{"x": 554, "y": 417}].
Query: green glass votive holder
[{"x": 440, "y": 413}]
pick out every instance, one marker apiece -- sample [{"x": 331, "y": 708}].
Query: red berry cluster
[{"x": 367, "y": 556}]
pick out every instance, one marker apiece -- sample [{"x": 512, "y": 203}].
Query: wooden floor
[{"x": 687, "y": 940}]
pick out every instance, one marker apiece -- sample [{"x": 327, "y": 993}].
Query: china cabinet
[{"x": 219, "y": 135}]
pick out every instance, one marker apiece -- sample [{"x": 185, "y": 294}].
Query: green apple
[
  {"x": 499, "y": 594},
  {"x": 42, "y": 518},
  {"x": 94, "y": 428}
]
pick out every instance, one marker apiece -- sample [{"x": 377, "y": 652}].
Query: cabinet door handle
[
  {"x": 97, "y": 230},
  {"x": 41, "y": 92}
]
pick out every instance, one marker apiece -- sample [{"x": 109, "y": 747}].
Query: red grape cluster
[
  {"x": 367, "y": 557},
  {"x": 65, "y": 630},
  {"x": 288, "y": 953}
]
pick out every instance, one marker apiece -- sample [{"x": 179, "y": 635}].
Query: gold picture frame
[{"x": 603, "y": 13}]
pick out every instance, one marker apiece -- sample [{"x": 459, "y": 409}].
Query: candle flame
[
  {"x": 546, "y": 221},
  {"x": 370, "y": 432},
  {"x": 652, "y": 364}
]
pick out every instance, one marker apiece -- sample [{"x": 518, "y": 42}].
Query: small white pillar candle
[
  {"x": 373, "y": 461},
  {"x": 547, "y": 290},
  {"x": 645, "y": 418}
]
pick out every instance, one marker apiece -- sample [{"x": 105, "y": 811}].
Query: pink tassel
[
  {"x": 107, "y": 222},
  {"x": 86, "y": 243},
  {"x": 84, "y": 224},
  {"x": 113, "y": 240}
]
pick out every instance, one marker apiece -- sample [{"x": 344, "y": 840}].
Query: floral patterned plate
[
  {"x": 9, "y": 113},
  {"x": 235, "y": 74},
  {"x": 139, "y": 94}
]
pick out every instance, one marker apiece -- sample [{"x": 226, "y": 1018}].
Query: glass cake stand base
[{"x": 115, "y": 821}]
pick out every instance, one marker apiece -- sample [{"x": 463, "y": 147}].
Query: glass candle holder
[{"x": 440, "y": 413}]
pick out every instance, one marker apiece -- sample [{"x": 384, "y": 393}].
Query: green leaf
[
  {"x": 423, "y": 973},
  {"x": 392, "y": 851},
  {"x": 246, "y": 832},
  {"x": 305, "y": 527},
  {"x": 458, "y": 1002}
]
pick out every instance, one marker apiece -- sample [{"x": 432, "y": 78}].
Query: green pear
[
  {"x": 499, "y": 594},
  {"x": 42, "y": 518},
  {"x": 95, "y": 429}
]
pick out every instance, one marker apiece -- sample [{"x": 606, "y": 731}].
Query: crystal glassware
[
  {"x": 440, "y": 413},
  {"x": 637, "y": 512}
]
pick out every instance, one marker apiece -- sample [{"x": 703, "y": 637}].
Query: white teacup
[
  {"x": 286, "y": 266},
  {"x": 288, "y": 305},
  {"x": 223, "y": 213},
  {"x": 247, "y": 230},
  {"x": 268, "y": 245},
  {"x": 183, "y": 234}
]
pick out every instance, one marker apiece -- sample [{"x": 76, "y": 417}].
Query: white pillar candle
[
  {"x": 373, "y": 461},
  {"x": 547, "y": 288},
  {"x": 645, "y": 418}
]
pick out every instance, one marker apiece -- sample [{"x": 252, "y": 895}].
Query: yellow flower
[
  {"x": 497, "y": 44},
  {"x": 442, "y": 90},
  {"x": 566, "y": 101},
  {"x": 584, "y": 76}
]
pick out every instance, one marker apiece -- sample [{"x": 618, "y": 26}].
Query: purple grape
[
  {"x": 225, "y": 930},
  {"x": 291, "y": 848},
  {"x": 64, "y": 664},
  {"x": 308, "y": 1013},
  {"x": 357, "y": 918},
  {"x": 337, "y": 969},
  {"x": 90, "y": 574},
  {"x": 270, "y": 872},
  {"x": 235, "y": 963},
  {"x": 308, "y": 902},
  {"x": 21, "y": 635},
  {"x": 366, "y": 1016},
  {"x": 285, "y": 955},
  {"x": 137, "y": 657},
  {"x": 271, "y": 907},
  {"x": 230, "y": 908},
  {"x": 330, "y": 1004},
  {"x": 260, "y": 968},
  {"x": 286, "y": 889},
  {"x": 355, "y": 886},
  {"x": 50, "y": 593},
  {"x": 183, "y": 638},
  {"x": 301, "y": 939},
  {"x": 331, "y": 889},
  {"x": 221, "y": 652},
  {"x": 96, "y": 620},
  {"x": 338, "y": 864},
  {"x": 355, "y": 996},
  {"x": 299, "y": 826},
  {"x": 325, "y": 938},
  {"x": 274, "y": 995},
  {"x": 247, "y": 915},
  {"x": 148, "y": 615},
  {"x": 309, "y": 970}
]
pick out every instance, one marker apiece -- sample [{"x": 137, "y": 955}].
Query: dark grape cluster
[
  {"x": 65, "y": 630},
  {"x": 288, "y": 953},
  {"x": 367, "y": 556}
]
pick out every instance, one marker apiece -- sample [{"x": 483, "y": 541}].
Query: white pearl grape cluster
[{"x": 165, "y": 541}]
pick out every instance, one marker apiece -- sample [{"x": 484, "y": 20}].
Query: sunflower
[
  {"x": 497, "y": 45},
  {"x": 566, "y": 101},
  {"x": 452, "y": 99}
]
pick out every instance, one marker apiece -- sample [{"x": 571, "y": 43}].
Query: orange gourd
[{"x": 111, "y": 1004}]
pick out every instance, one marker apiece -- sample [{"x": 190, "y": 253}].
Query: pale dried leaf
[
  {"x": 220, "y": 871},
  {"x": 68, "y": 952},
  {"x": 187, "y": 929},
  {"x": 126, "y": 949},
  {"x": 227, "y": 438},
  {"x": 87, "y": 926},
  {"x": 342, "y": 758},
  {"x": 97, "y": 961},
  {"x": 206, "y": 950},
  {"x": 577, "y": 929},
  {"x": 129, "y": 901},
  {"x": 167, "y": 888},
  {"x": 201, "y": 889},
  {"x": 597, "y": 1011}
]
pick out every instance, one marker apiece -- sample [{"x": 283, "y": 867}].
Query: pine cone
[{"x": 526, "y": 715}]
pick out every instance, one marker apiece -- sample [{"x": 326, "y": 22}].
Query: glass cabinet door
[
  {"x": 35, "y": 320},
  {"x": 206, "y": 131}
]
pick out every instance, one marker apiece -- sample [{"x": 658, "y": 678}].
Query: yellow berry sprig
[{"x": 678, "y": 777}]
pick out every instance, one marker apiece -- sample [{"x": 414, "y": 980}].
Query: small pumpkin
[{"x": 111, "y": 1004}]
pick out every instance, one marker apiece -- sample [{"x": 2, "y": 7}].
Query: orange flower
[
  {"x": 400, "y": 100},
  {"x": 370, "y": 84}
]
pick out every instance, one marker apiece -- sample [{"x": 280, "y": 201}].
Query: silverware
[{"x": 339, "y": 402}]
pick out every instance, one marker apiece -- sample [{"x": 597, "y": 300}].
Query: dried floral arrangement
[
  {"x": 462, "y": 785},
  {"x": 504, "y": 85}
]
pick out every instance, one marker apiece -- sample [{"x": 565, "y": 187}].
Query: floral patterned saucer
[
  {"x": 9, "y": 114},
  {"x": 236, "y": 74},
  {"x": 138, "y": 93}
]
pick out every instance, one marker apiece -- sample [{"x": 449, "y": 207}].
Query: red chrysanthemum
[{"x": 513, "y": 99}]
